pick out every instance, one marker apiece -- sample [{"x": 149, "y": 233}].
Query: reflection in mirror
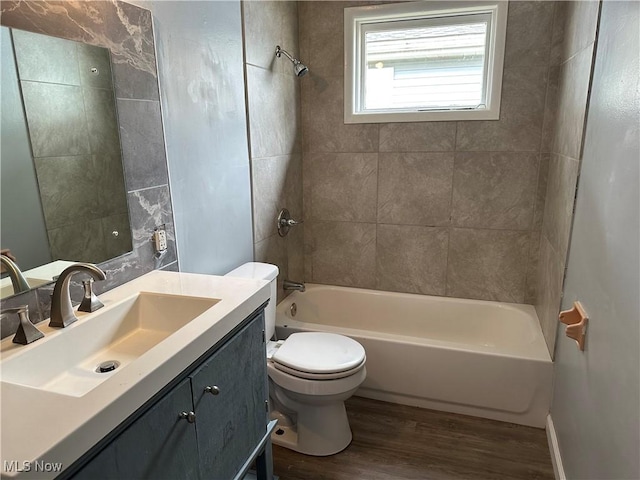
[{"x": 63, "y": 193}]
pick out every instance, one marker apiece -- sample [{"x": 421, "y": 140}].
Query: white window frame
[{"x": 358, "y": 20}]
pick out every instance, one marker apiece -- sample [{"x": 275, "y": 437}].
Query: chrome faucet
[
  {"x": 289, "y": 285},
  {"x": 61, "y": 308},
  {"x": 18, "y": 281}
]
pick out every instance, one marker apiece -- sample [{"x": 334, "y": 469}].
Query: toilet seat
[{"x": 319, "y": 356}]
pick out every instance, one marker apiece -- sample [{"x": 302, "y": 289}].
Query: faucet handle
[
  {"x": 27, "y": 332},
  {"x": 90, "y": 303}
]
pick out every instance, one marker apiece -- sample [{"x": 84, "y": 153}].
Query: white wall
[
  {"x": 199, "y": 48},
  {"x": 597, "y": 392}
]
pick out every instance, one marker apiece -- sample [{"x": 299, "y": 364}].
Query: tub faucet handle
[{"x": 285, "y": 222}]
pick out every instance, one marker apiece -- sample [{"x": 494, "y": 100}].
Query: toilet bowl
[{"x": 311, "y": 374}]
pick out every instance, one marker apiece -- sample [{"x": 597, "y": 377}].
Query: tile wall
[
  {"x": 127, "y": 31},
  {"x": 571, "y": 60},
  {"x": 273, "y": 99},
  {"x": 442, "y": 208}
]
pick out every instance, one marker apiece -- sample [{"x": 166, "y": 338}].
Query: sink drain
[{"x": 107, "y": 366}]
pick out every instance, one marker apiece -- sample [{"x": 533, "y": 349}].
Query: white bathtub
[{"x": 473, "y": 357}]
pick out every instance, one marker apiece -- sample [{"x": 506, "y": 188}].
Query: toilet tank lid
[{"x": 255, "y": 270}]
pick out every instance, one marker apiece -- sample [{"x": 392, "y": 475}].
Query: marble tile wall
[
  {"x": 572, "y": 55},
  {"x": 440, "y": 208},
  {"x": 273, "y": 97},
  {"x": 127, "y": 31}
]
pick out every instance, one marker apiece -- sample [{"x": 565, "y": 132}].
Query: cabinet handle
[
  {"x": 188, "y": 416},
  {"x": 212, "y": 390}
]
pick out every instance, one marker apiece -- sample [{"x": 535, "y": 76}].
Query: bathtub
[{"x": 473, "y": 357}]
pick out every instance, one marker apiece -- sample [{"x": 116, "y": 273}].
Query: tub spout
[{"x": 289, "y": 285}]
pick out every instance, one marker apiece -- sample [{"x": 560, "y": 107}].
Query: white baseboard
[{"x": 556, "y": 459}]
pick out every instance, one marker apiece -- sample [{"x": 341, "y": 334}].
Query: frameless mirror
[{"x": 63, "y": 197}]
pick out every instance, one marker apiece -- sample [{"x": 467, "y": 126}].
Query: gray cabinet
[{"x": 226, "y": 393}]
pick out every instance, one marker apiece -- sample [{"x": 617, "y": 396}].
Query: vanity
[{"x": 187, "y": 399}]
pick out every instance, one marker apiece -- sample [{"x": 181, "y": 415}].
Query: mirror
[{"x": 63, "y": 196}]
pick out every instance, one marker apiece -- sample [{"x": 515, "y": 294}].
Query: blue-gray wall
[
  {"x": 199, "y": 50},
  {"x": 596, "y": 402}
]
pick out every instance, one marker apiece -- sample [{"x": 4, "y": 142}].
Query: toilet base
[{"x": 318, "y": 431}]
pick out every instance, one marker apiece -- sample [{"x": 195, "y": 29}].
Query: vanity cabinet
[{"x": 224, "y": 400}]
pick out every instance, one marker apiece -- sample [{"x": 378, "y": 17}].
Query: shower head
[{"x": 299, "y": 68}]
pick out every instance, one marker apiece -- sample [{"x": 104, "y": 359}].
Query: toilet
[{"x": 311, "y": 374}]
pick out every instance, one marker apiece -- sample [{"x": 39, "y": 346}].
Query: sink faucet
[
  {"x": 61, "y": 308},
  {"x": 18, "y": 281},
  {"x": 27, "y": 332},
  {"x": 289, "y": 285}
]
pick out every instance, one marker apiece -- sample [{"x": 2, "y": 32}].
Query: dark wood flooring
[{"x": 395, "y": 442}]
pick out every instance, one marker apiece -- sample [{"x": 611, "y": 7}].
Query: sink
[{"x": 67, "y": 361}]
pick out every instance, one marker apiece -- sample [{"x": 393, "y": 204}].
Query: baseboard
[{"x": 556, "y": 459}]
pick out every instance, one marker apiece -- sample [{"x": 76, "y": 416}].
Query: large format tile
[
  {"x": 270, "y": 23},
  {"x": 521, "y": 115},
  {"x": 56, "y": 119},
  {"x": 573, "y": 93},
  {"x": 341, "y": 253},
  {"x": 273, "y": 250},
  {"x": 412, "y": 259},
  {"x": 418, "y": 137},
  {"x": 276, "y": 184},
  {"x": 529, "y": 29},
  {"x": 102, "y": 122},
  {"x": 81, "y": 241},
  {"x": 560, "y": 199},
  {"x": 549, "y": 291},
  {"x": 576, "y": 24},
  {"x": 324, "y": 29},
  {"x": 494, "y": 190},
  {"x": 142, "y": 139},
  {"x": 550, "y": 109},
  {"x": 41, "y": 58},
  {"x": 487, "y": 264},
  {"x": 274, "y": 116},
  {"x": 323, "y": 119},
  {"x": 94, "y": 67},
  {"x": 531, "y": 285},
  {"x": 415, "y": 188},
  {"x": 541, "y": 191},
  {"x": 340, "y": 186}
]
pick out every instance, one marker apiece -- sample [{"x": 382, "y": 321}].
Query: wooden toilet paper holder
[{"x": 576, "y": 320}]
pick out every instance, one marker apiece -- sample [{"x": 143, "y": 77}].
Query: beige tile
[
  {"x": 573, "y": 92},
  {"x": 487, "y": 264},
  {"x": 550, "y": 109},
  {"x": 494, "y": 190},
  {"x": 270, "y": 23},
  {"x": 521, "y": 115},
  {"x": 549, "y": 291},
  {"x": 418, "y": 137},
  {"x": 341, "y": 186},
  {"x": 323, "y": 119},
  {"x": 529, "y": 31},
  {"x": 412, "y": 259},
  {"x": 541, "y": 191},
  {"x": 341, "y": 253},
  {"x": 415, "y": 188},
  {"x": 557, "y": 37},
  {"x": 531, "y": 285},
  {"x": 276, "y": 183},
  {"x": 274, "y": 250},
  {"x": 579, "y": 27},
  {"x": 324, "y": 28},
  {"x": 295, "y": 253},
  {"x": 274, "y": 114},
  {"x": 559, "y": 202}
]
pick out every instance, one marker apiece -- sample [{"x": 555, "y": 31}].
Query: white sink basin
[{"x": 67, "y": 361}]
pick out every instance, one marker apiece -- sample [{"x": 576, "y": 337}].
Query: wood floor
[{"x": 395, "y": 442}]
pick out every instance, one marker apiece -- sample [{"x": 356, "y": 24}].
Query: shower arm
[{"x": 280, "y": 51}]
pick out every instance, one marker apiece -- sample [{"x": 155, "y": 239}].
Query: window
[{"x": 420, "y": 61}]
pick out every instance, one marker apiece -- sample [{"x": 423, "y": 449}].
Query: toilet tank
[{"x": 262, "y": 271}]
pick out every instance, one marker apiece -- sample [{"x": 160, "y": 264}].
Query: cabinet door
[
  {"x": 231, "y": 422},
  {"x": 158, "y": 445}
]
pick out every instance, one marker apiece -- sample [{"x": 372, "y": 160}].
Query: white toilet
[{"x": 311, "y": 374}]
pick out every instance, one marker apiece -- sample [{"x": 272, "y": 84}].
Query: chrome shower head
[{"x": 299, "y": 68}]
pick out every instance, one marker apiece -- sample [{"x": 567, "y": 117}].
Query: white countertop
[{"x": 42, "y": 426}]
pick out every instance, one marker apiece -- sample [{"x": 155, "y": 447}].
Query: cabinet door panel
[{"x": 231, "y": 423}]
